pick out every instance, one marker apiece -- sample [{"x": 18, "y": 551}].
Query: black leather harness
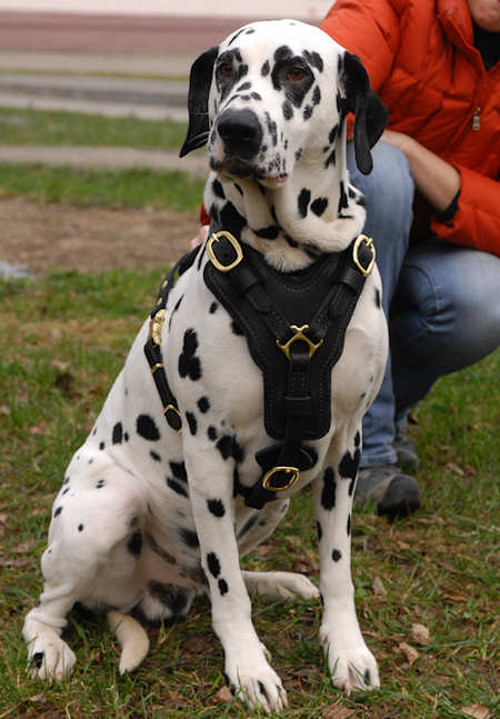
[{"x": 295, "y": 326}]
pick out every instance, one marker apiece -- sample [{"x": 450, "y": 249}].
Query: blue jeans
[{"x": 442, "y": 301}]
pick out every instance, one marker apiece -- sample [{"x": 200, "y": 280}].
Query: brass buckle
[
  {"x": 355, "y": 254},
  {"x": 155, "y": 326},
  {"x": 299, "y": 335},
  {"x": 292, "y": 471},
  {"x": 172, "y": 408},
  {"x": 215, "y": 237}
]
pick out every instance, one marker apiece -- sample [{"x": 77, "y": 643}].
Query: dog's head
[{"x": 275, "y": 90}]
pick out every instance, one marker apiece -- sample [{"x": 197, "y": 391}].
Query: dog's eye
[
  {"x": 295, "y": 74},
  {"x": 225, "y": 70}
]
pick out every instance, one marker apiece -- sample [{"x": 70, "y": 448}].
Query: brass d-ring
[{"x": 355, "y": 254}]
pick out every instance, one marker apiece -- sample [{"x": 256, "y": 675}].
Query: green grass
[
  {"x": 41, "y": 127},
  {"x": 170, "y": 189},
  {"x": 63, "y": 338}
]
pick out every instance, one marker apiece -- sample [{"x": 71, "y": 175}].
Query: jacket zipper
[{"x": 476, "y": 119}]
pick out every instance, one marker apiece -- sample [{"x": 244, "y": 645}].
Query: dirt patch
[{"x": 91, "y": 239}]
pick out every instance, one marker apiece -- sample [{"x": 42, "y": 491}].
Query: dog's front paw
[
  {"x": 353, "y": 667},
  {"x": 50, "y": 658},
  {"x": 257, "y": 686}
]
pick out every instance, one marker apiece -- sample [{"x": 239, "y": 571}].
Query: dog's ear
[
  {"x": 370, "y": 113},
  {"x": 200, "y": 79}
]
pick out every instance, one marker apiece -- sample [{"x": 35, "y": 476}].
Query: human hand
[{"x": 200, "y": 237}]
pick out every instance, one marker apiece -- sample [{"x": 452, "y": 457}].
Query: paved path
[{"x": 119, "y": 157}]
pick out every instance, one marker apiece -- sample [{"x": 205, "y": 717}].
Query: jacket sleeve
[
  {"x": 476, "y": 222},
  {"x": 369, "y": 29}
]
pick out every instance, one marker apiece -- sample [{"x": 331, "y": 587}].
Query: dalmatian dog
[{"x": 147, "y": 517}]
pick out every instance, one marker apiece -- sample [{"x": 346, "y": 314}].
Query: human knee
[{"x": 390, "y": 183}]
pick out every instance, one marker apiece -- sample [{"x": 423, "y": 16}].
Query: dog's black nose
[{"x": 241, "y": 132}]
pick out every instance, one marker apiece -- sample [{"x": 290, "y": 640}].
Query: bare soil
[{"x": 91, "y": 239}]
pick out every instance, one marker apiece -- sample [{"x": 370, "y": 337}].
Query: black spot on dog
[
  {"x": 331, "y": 159},
  {"x": 178, "y": 304},
  {"x": 319, "y": 530},
  {"x": 134, "y": 544},
  {"x": 216, "y": 507},
  {"x": 343, "y": 201},
  {"x": 244, "y": 86},
  {"x": 179, "y": 470},
  {"x": 117, "y": 435},
  {"x": 177, "y": 487},
  {"x": 265, "y": 69},
  {"x": 319, "y": 205},
  {"x": 213, "y": 564},
  {"x": 66, "y": 480},
  {"x": 218, "y": 189},
  {"x": 100, "y": 483},
  {"x": 189, "y": 537},
  {"x": 262, "y": 690},
  {"x": 231, "y": 219},
  {"x": 192, "y": 423},
  {"x": 203, "y": 404},
  {"x": 146, "y": 428},
  {"x": 314, "y": 59},
  {"x": 349, "y": 463},
  {"x": 238, "y": 188},
  {"x": 349, "y": 526},
  {"x": 298, "y": 154},
  {"x": 287, "y": 110},
  {"x": 154, "y": 455},
  {"x": 37, "y": 659},
  {"x": 228, "y": 446},
  {"x": 58, "y": 511},
  {"x": 189, "y": 364},
  {"x": 333, "y": 134},
  {"x": 378, "y": 299},
  {"x": 102, "y": 445},
  {"x": 80, "y": 527},
  {"x": 256, "y": 96},
  {"x": 268, "y": 233},
  {"x": 316, "y": 96},
  {"x": 336, "y": 555},
  {"x": 223, "y": 588},
  {"x": 307, "y": 112},
  {"x": 303, "y": 201},
  {"x": 367, "y": 677},
  {"x": 175, "y": 599},
  {"x": 329, "y": 489},
  {"x": 212, "y": 433},
  {"x": 213, "y": 307}
]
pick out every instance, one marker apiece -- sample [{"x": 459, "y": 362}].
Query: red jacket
[{"x": 422, "y": 62}]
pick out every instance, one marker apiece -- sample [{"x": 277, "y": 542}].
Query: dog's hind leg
[
  {"x": 95, "y": 542},
  {"x": 133, "y": 640},
  {"x": 280, "y": 585}
]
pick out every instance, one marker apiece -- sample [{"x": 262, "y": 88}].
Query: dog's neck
[{"x": 291, "y": 224}]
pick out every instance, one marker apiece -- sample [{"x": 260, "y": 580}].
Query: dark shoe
[
  {"x": 396, "y": 494},
  {"x": 408, "y": 458}
]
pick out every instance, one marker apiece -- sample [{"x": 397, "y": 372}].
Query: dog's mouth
[{"x": 240, "y": 168}]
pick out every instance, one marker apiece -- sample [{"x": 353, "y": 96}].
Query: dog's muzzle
[{"x": 241, "y": 134}]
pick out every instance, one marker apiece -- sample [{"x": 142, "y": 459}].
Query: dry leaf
[
  {"x": 337, "y": 711},
  {"x": 378, "y": 587},
  {"x": 478, "y": 711},
  {"x": 25, "y": 547},
  {"x": 223, "y": 696},
  {"x": 5, "y": 410},
  {"x": 420, "y": 634},
  {"x": 410, "y": 653}
]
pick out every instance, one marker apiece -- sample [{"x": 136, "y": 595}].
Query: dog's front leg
[
  {"x": 246, "y": 666},
  {"x": 350, "y": 661}
]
